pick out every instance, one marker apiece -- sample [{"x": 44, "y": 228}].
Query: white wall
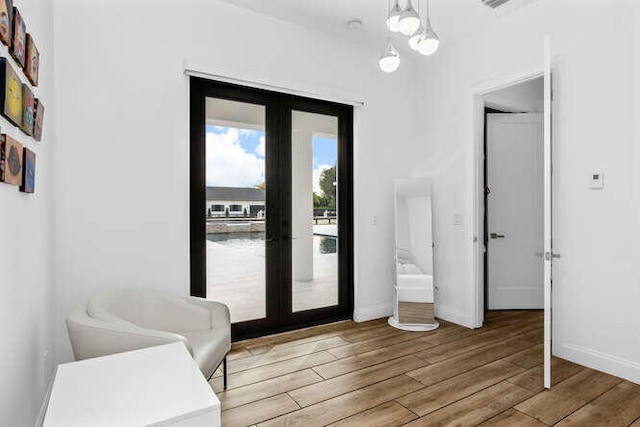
[
  {"x": 124, "y": 136},
  {"x": 596, "y": 62},
  {"x": 26, "y": 233}
]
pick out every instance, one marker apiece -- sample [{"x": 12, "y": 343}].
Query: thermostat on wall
[{"x": 597, "y": 180}]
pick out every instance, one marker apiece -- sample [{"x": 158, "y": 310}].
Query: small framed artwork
[
  {"x": 28, "y": 110},
  {"x": 10, "y": 93},
  {"x": 29, "y": 171},
  {"x": 11, "y": 152},
  {"x": 33, "y": 61},
  {"x": 6, "y": 13},
  {"x": 39, "y": 119},
  {"x": 18, "y": 39}
]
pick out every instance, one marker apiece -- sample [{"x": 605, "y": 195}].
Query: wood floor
[{"x": 369, "y": 374}]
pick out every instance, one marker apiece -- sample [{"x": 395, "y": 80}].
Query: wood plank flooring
[{"x": 369, "y": 374}]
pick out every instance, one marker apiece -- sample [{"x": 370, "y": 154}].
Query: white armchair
[{"x": 130, "y": 319}]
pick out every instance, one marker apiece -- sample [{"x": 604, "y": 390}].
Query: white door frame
[{"x": 479, "y": 91}]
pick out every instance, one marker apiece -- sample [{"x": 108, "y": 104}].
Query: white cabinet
[{"x": 159, "y": 386}]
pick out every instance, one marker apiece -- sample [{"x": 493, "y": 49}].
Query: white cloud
[
  {"x": 260, "y": 148},
  {"x": 228, "y": 164},
  {"x": 317, "y": 171},
  {"x": 247, "y": 132}
]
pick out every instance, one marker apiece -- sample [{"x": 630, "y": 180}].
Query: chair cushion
[{"x": 209, "y": 348}]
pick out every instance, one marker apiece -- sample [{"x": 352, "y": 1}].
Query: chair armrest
[{"x": 220, "y": 315}]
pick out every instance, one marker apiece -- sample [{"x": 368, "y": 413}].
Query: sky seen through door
[{"x": 236, "y": 157}]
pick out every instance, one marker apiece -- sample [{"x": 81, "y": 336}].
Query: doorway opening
[
  {"x": 510, "y": 216},
  {"x": 513, "y": 197}
]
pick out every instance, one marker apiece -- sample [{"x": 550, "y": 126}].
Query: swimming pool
[{"x": 253, "y": 242}]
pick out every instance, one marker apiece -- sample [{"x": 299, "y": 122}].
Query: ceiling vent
[{"x": 494, "y": 3}]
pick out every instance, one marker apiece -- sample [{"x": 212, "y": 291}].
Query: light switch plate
[{"x": 596, "y": 180}]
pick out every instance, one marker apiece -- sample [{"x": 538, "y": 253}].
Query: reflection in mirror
[{"x": 414, "y": 296}]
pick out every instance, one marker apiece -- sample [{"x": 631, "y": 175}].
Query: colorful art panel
[
  {"x": 18, "y": 39},
  {"x": 10, "y": 93},
  {"x": 33, "y": 61},
  {"x": 39, "y": 119},
  {"x": 11, "y": 152},
  {"x": 6, "y": 13},
  {"x": 28, "y": 110},
  {"x": 29, "y": 172}
]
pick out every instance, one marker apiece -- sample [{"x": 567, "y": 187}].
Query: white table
[{"x": 157, "y": 386}]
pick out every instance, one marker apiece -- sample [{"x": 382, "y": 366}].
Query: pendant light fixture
[
  {"x": 409, "y": 20},
  {"x": 429, "y": 41},
  {"x": 415, "y": 37},
  {"x": 422, "y": 37},
  {"x": 390, "y": 59},
  {"x": 393, "y": 20}
]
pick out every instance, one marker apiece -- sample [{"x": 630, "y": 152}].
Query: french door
[{"x": 271, "y": 206}]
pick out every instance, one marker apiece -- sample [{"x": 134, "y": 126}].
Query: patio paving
[{"x": 236, "y": 276}]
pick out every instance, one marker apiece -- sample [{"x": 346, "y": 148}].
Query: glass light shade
[
  {"x": 393, "y": 21},
  {"x": 414, "y": 39},
  {"x": 409, "y": 20},
  {"x": 389, "y": 60},
  {"x": 429, "y": 41}
]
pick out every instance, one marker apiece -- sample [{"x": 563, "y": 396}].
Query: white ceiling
[
  {"x": 451, "y": 19},
  {"x": 531, "y": 91},
  {"x": 524, "y": 97}
]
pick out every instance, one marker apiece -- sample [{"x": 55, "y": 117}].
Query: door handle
[
  {"x": 548, "y": 256},
  {"x": 496, "y": 236},
  {"x": 270, "y": 240}
]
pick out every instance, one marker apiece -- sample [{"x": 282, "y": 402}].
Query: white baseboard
[
  {"x": 362, "y": 314},
  {"x": 454, "y": 316},
  {"x": 597, "y": 360}
]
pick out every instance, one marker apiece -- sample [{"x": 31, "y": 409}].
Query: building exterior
[{"x": 235, "y": 202}]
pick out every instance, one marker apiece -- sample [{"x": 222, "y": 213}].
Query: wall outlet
[
  {"x": 374, "y": 220},
  {"x": 596, "y": 180}
]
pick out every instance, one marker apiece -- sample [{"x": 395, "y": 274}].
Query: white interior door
[
  {"x": 548, "y": 248},
  {"x": 515, "y": 211}
]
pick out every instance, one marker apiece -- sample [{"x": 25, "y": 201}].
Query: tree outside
[{"x": 327, "y": 200}]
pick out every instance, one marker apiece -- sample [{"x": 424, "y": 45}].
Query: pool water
[{"x": 255, "y": 241}]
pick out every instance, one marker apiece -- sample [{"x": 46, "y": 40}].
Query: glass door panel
[
  {"x": 314, "y": 211},
  {"x": 236, "y": 195}
]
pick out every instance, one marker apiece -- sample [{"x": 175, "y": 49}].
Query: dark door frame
[{"x": 278, "y": 108}]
